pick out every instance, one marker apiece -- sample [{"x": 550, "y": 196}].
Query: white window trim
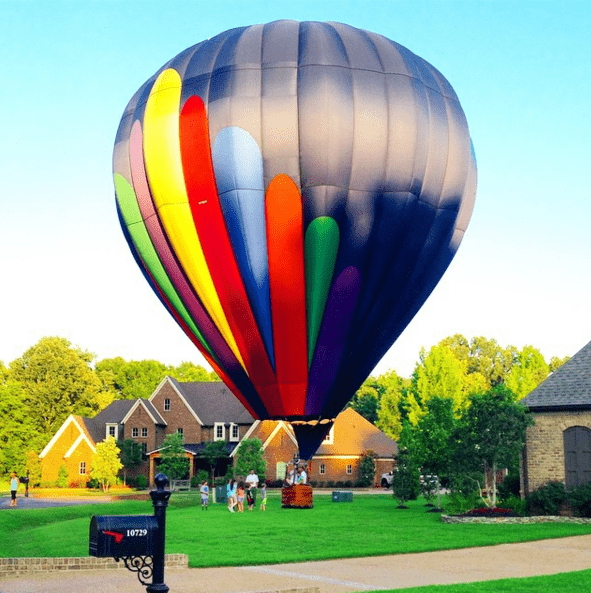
[
  {"x": 135, "y": 432},
  {"x": 215, "y": 431},
  {"x": 80, "y": 472},
  {"x": 322, "y": 469},
  {"x": 108, "y": 433},
  {"x": 232, "y": 438},
  {"x": 349, "y": 469},
  {"x": 167, "y": 400},
  {"x": 144, "y": 436}
]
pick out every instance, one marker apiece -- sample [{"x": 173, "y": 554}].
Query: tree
[
  {"x": 212, "y": 454},
  {"x": 440, "y": 374},
  {"x": 187, "y": 371},
  {"x": 528, "y": 371},
  {"x": 133, "y": 379},
  {"x": 366, "y": 401},
  {"x": 57, "y": 380},
  {"x": 406, "y": 479},
  {"x": 174, "y": 461},
  {"x": 33, "y": 466},
  {"x": 131, "y": 455},
  {"x": 433, "y": 440},
  {"x": 491, "y": 433},
  {"x": 17, "y": 432},
  {"x": 367, "y": 468},
  {"x": 393, "y": 390},
  {"x": 249, "y": 455},
  {"x": 106, "y": 463}
]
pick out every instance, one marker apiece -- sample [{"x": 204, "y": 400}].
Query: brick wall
[
  {"x": 179, "y": 416},
  {"x": 22, "y": 566},
  {"x": 543, "y": 457}
]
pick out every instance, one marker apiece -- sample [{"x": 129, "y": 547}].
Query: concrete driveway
[{"x": 336, "y": 576}]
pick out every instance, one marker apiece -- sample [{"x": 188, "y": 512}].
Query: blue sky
[{"x": 521, "y": 71}]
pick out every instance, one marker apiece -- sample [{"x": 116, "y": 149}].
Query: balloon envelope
[{"x": 294, "y": 192}]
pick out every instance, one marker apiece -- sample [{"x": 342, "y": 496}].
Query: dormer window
[
  {"x": 167, "y": 405},
  {"x": 112, "y": 431},
  {"x": 329, "y": 438},
  {"x": 219, "y": 431}
]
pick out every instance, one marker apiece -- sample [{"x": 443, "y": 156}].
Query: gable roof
[
  {"x": 568, "y": 387},
  {"x": 354, "y": 435},
  {"x": 150, "y": 409},
  {"x": 213, "y": 402},
  {"x": 78, "y": 422}
]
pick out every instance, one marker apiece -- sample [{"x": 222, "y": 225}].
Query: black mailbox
[{"x": 121, "y": 536}]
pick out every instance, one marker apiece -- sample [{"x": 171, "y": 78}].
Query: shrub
[
  {"x": 546, "y": 500},
  {"x": 321, "y": 484},
  {"x": 516, "y": 504},
  {"x": 339, "y": 484},
  {"x": 510, "y": 486},
  {"x": 348, "y": 483},
  {"x": 330, "y": 484},
  {"x": 579, "y": 498},
  {"x": 459, "y": 503},
  {"x": 141, "y": 482},
  {"x": 62, "y": 480},
  {"x": 313, "y": 483}
]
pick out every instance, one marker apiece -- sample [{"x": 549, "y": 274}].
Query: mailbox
[{"x": 121, "y": 536}]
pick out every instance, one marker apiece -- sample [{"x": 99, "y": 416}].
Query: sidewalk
[{"x": 337, "y": 576}]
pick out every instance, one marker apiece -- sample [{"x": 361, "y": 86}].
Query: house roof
[
  {"x": 354, "y": 435},
  {"x": 213, "y": 402},
  {"x": 568, "y": 387}
]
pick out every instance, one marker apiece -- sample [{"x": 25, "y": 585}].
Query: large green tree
[
  {"x": 528, "y": 371},
  {"x": 393, "y": 394},
  {"x": 57, "y": 380},
  {"x": 17, "y": 432},
  {"x": 130, "y": 380},
  {"x": 491, "y": 434}
]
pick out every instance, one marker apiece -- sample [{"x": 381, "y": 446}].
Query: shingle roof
[
  {"x": 567, "y": 387},
  {"x": 213, "y": 402},
  {"x": 150, "y": 407},
  {"x": 115, "y": 411}
]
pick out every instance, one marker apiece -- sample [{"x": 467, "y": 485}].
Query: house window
[
  {"x": 349, "y": 469},
  {"x": 135, "y": 432},
  {"x": 144, "y": 448},
  {"x": 112, "y": 431},
  {"x": 329, "y": 438},
  {"x": 180, "y": 431},
  {"x": 234, "y": 432},
  {"x": 219, "y": 431},
  {"x": 322, "y": 469},
  {"x": 82, "y": 468},
  {"x": 577, "y": 456},
  {"x": 167, "y": 405},
  {"x": 144, "y": 432}
]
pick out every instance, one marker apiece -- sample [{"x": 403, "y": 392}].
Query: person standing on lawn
[
  {"x": 14, "y": 482},
  {"x": 231, "y": 488},
  {"x": 252, "y": 482},
  {"x": 204, "y": 495}
]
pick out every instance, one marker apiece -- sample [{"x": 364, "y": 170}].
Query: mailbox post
[{"x": 138, "y": 540}]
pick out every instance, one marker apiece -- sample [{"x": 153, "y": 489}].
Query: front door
[{"x": 577, "y": 456}]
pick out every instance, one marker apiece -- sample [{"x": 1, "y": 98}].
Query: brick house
[
  {"x": 558, "y": 446},
  {"x": 202, "y": 413}
]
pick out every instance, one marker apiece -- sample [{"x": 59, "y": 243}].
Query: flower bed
[{"x": 504, "y": 519}]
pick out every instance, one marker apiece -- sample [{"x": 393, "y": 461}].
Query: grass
[
  {"x": 556, "y": 583},
  {"x": 369, "y": 526}
]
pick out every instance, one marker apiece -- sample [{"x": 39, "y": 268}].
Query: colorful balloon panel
[{"x": 294, "y": 192}]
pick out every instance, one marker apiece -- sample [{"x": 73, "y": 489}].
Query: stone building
[{"x": 558, "y": 446}]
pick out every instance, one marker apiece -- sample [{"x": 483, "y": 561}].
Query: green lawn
[
  {"x": 556, "y": 583},
  {"x": 369, "y": 526}
]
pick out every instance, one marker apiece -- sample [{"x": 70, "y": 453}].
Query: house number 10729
[{"x": 136, "y": 532}]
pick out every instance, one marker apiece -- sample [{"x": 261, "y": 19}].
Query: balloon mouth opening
[{"x": 305, "y": 420}]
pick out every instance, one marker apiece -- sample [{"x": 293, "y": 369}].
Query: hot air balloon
[{"x": 293, "y": 192}]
